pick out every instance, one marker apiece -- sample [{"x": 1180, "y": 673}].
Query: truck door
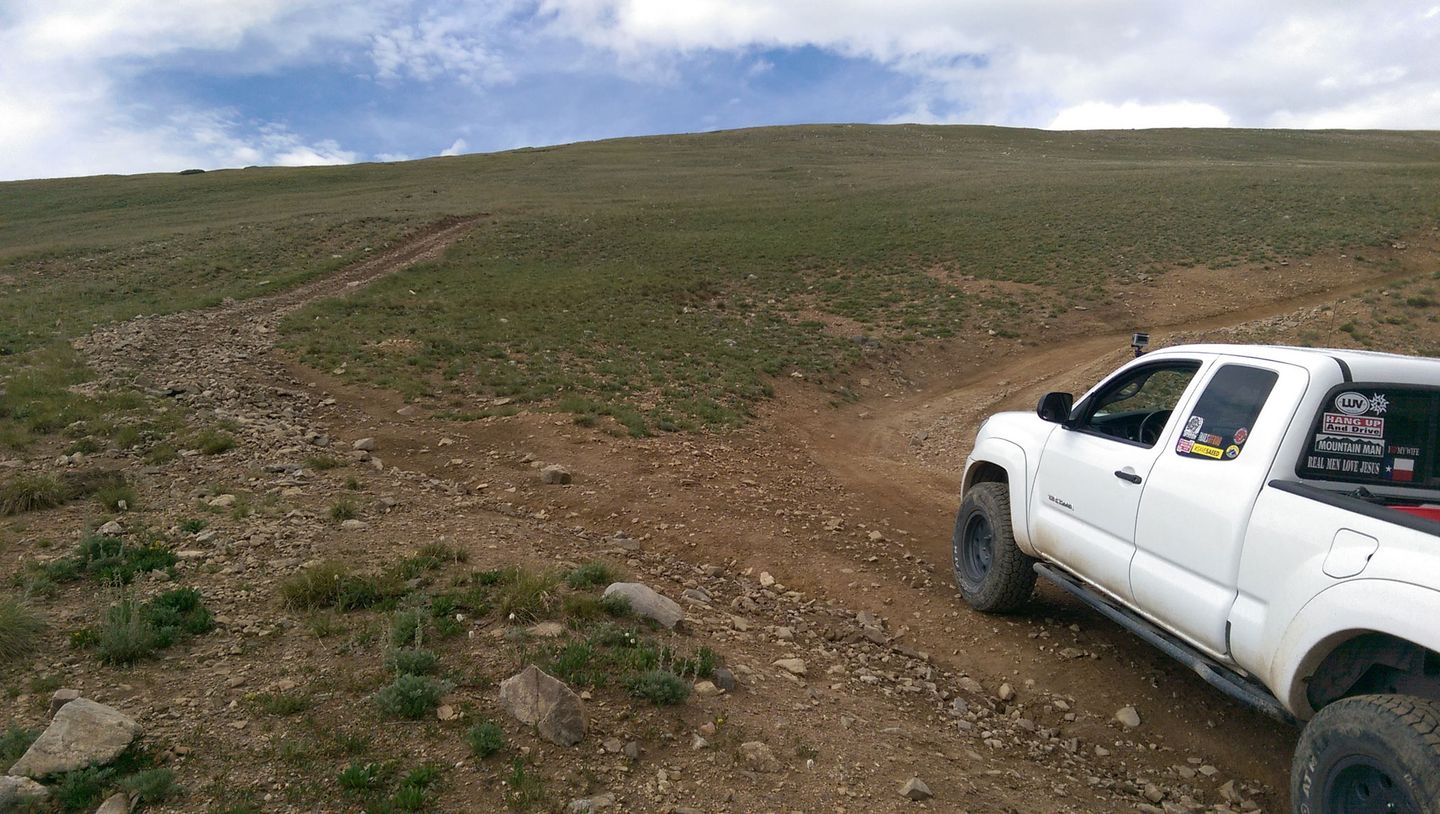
[
  {"x": 1092, "y": 472},
  {"x": 1195, "y": 510}
]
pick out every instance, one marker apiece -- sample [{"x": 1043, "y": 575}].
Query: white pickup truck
[{"x": 1269, "y": 516}]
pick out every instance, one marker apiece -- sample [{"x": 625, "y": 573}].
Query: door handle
[{"x": 1130, "y": 476}]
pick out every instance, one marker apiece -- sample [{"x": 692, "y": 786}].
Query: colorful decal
[
  {"x": 1212, "y": 440},
  {"x": 1184, "y": 446},
  {"x": 1241, "y": 434},
  {"x": 1352, "y": 403},
  {"x": 1192, "y": 427},
  {"x": 1360, "y": 426},
  {"x": 1232, "y": 452},
  {"x": 1208, "y": 451},
  {"x": 1400, "y": 470},
  {"x": 1343, "y": 445}
]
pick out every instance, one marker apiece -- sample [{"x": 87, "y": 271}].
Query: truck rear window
[{"x": 1374, "y": 434}]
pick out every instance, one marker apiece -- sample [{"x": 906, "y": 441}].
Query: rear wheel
[
  {"x": 993, "y": 574},
  {"x": 1369, "y": 753}
]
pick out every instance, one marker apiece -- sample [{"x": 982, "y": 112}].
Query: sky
[{"x": 126, "y": 86}]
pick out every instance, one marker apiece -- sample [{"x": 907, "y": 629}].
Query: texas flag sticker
[{"x": 1402, "y": 469}]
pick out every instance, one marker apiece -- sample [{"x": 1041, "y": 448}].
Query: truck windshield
[{"x": 1377, "y": 434}]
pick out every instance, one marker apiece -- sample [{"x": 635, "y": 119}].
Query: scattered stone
[
  {"x": 111, "y": 529},
  {"x": 1005, "y": 693},
  {"x": 221, "y": 502},
  {"x": 1128, "y": 717},
  {"x": 532, "y": 696},
  {"x": 792, "y": 666},
  {"x": 612, "y": 745},
  {"x": 555, "y": 474},
  {"x": 646, "y": 603},
  {"x": 766, "y": 580},
  {"x": 724, "y": 679},
  {"x": 117, "y": 803},
  {"x": 61, "y": 698},
  {"x": 1152, "y": 793},
  {"x": 354, "y": 525},
  {"x": 364, "y": 445},
  {"x": 18, "y": 792},
  {"x": 970, "y": 685},
  {"x": 632, "y": 750},
  {"x": 758, "y": 757},
  {"x": 916, "y": 790},
  {"x": 82, "y": 734},
  {"x": 446, "y": 712},
  {"x": 546, "y": 630},
  {"x": 586, "y": 805},
  {"x": 705, "y": 689},
  {"x": 697, "y": 743}
]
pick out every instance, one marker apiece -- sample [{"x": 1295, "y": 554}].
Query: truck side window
[
  {"x": 1137, "y": 406},
  {"x": 1219, "y": 426},
  {"x": 1375, "y": 433}
]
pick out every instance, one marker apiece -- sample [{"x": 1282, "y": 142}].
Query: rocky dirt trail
[{"x": 811, "y": 550}]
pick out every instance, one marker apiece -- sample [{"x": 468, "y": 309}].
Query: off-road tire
[
  {"x": 1367, "y": 752},
  {"x": 1004, "y": 580}
]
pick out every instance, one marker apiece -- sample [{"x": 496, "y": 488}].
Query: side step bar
[{"x": 1222, "y": 678}]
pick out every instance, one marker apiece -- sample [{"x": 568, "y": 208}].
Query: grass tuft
[
  {"x": 20, "y": 630},
  {"x": 410, "y": 696},
  {"x": 659, "y": 687},
  {"x": 30, "y": 493},
  {"x": 485, "y": 738},
  {"x": 591, "y": 575},
  {"x": 334, "y": 585}
]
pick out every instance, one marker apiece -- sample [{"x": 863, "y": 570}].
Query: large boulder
[
  {"x": 534, "y": 697},
  {"x": 16, "y": 792},
  {"x": 82, "y": 734},
  {"x": 644, "y": 601}
]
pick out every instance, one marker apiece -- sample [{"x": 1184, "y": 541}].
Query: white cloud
[
  {"x": 457, "y": 148},
  {"x": 1135, "y": 116},
  {"x": 450, "y": 46}
]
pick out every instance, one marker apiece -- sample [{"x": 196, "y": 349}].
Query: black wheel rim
[
  {"x": 1358, "y": 786},
  {"x": 977, "y": 547}
]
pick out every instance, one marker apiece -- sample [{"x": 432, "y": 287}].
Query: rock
[
  {"x": 17, "y": 792},
  {"x": 364, "y": 445},
  {"x": 632, "y": 750},
  {"x": 766, "y": 580},
  {"x": 61, "y": 698},
  {"x": 1128, "y": 717},
  {"x": 792, "y": 666},
  {"x": 612, "y": 745},
  {"x": 546, "y": 630},
  {"x": 705, "y": 689},
  {"x": 83, "y": 734},
  {"x": 111, "y": 529},
  {"x": 1229, "y": 794},
  {"x": 586, "y": 805},
  {"x": 221, "y": 502},
  {"x": 117, "y": 803},
  {"x": 915, "y": 789},
  {"x": 724, "y": 679},
  {"x": 354, "y": 525},
  {"x": 697, "y": 743},
  {"x": 970, "y": 685},
  {"x": 1152, "y": 793},
  {"x": 758, "y": 757},
  {"x": 646, "y": 603},
  {"x": 446, "y": 712},
  {"x": 1005, "y": 693},
  {"x": 555, "y": 474},
  {"x": 534, "y": 697}
]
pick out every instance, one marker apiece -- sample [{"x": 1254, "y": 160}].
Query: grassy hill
[{"x": 664, "y": 280}]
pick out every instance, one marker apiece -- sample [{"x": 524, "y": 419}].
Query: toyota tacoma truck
[{"x": 1268, "y": 515}]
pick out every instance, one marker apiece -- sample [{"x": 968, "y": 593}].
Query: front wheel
[
  {"x": 1369, "y": 753},
  {"x": 993, "y": 574}
]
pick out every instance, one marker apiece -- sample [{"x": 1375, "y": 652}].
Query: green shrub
[
  {"x": 29, "y": 493},
  {"x": 213, "y": 442},
  {"x": 585, "y": 608},
  {"x": 344, "y": 510},
  {"x": 194, "y": 525},
  {"x": 151, "y": 786},
  {"x": 590, "y": 575},
  {"x": 281, "y": 703},
  {"x": 333, "y": 585},
  {"x": 112, "y": 560},
  {"x": 13, "y": 743},
  {"x": 130, "y": 632},
  {"x": 411, "y": 696},
  {"x": 82, "y": 790},
  {"x": 524, "y": 790},
  {"x": 527, "y": 596},
  {"x": 20, "y": 630},
  {"x": 412, "y": 661},
  {"x": 362, "y": 778},
  {"x": 485, "y": 738},
  {"x": 322, "y": 463},
  {"x": 118, "y": 498},
  {"x": 659, "y": 687}
]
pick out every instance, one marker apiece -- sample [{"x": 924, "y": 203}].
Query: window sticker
[
  {"x": 1401, "y": 470},
  {"x": 1219, "y": 425},
  {"x": 1378, "y": 435},
  {"x": 1358, "y": 425}
]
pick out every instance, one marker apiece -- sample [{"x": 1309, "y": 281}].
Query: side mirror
[{"x": 1055, "y": 407}]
